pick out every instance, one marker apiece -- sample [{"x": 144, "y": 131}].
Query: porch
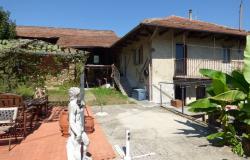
[{"x": 189, "y": 68}]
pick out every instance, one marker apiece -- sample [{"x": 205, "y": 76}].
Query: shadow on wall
[{"x": 163, "y": 94}]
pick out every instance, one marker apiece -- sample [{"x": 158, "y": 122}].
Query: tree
[{"x": 7, "y": 26}]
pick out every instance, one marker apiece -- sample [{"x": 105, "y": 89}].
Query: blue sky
[{"x": 121, "y": 15}]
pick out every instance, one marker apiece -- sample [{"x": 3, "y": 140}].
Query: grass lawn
[
  {"x": 95, "y": 96},
  {"x": 105, "y": 96}
]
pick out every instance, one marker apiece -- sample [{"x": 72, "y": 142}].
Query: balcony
[{"x": 189, "y": 68}]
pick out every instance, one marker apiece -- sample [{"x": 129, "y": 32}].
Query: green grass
[
  {"x": 59, "y": 93},
  {"x": 95, "y": 96},
  {"x": 106, "y": 96}
]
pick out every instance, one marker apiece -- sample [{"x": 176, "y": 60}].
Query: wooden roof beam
[
  {"x": 206, "y": 35},
  {"x": 149, "y": 30},
  {"x": 176, "y": 34},
  {"x": 163, "y": 31},
  {"x": 143, "y": 34}
]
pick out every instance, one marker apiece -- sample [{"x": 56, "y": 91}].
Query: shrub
[{"x": 25, "y": 91}]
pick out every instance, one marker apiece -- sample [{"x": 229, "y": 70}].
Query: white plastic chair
[{"x": 8, "y": 123}]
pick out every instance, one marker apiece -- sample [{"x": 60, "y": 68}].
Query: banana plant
[
  {"x": 227, "y": 90},
  {"x": 246, "y": 70}
]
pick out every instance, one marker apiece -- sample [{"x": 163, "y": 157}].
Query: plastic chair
[{"x": 8, "y": 124}]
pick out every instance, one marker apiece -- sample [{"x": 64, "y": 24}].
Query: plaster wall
[
  {"x": 201, "y": 53},
  {"x": 134, "y": 72}
]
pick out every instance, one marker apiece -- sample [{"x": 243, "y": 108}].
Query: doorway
[
  {"x": 200, "y": 92},
  {"x": 179, "y": 91}
]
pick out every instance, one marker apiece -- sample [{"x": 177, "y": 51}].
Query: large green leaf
[
  {"x": 245, "y": 108},
  {"x": 238, "y": 81},
  {"x": 230, "y": 96},
  {"x": 213, "y": 74},
  {"x": 247, "y": 121},
  {"x": 210, "y": 90},
  {"x": 205, "y": 110},
  {"x": 202, "y": 105},
  {"x": 215, "y": 135},
  {"x": 246, "y": 69},
  {"x": 219, "y": 87},
  {"x": 219, "y": 81}
]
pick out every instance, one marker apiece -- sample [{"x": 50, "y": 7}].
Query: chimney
[
  {"x": 241, "y": 15},
  {"x": 190, "y": 14}
]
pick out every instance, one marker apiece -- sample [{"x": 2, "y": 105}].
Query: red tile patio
[{"x": 46, "y": 143}]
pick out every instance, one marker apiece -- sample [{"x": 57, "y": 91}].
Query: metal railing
[{"x": 190, "y": 67}]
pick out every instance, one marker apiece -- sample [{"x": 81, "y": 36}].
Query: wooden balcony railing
[{"x": 190, "y": 67}]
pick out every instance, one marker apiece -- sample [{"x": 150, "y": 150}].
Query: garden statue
[{"x": 78, "y": 140}]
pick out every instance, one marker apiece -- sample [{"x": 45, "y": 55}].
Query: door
[
  {"x": 181, "y": 60},
  {"x": 200, "y": 92},
  {"x": 179, "y": 91}
]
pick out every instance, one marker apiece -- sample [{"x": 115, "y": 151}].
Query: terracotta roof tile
[
  {"x": 185, "y": 23},
  {"x": 70, "y": 37}
]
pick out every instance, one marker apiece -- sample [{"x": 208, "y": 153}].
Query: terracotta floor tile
[{"x": 46, "y": 143}]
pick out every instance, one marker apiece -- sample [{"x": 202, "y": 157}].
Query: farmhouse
[{"x": 162, "y": 55}]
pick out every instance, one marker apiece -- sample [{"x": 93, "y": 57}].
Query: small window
[
  {"x": 96, "y": 59},
  {"x": 226, "y": 55},
  {"x": 138, "y": 56}
]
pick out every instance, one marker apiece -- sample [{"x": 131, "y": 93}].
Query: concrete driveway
[{"x": 155, "y": 129}]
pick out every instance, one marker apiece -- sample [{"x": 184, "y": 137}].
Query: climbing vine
[{"x": 23, "y": 61}]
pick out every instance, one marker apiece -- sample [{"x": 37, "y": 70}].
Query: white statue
[{"x": 78, "y": 140}]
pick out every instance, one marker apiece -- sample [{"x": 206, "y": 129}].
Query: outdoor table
[{"x": 39, "y": 105}]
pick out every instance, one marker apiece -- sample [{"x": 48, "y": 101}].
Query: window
[
  {"x": 96, "y": 59},
  {"x": 138, "y": 56},
  {"x": 135, "y": 57},
  {"x": 226, "y": 55}
]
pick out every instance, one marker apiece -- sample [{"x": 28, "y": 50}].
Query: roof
[
  {"x": 68, "y": 37},
  {"x": 196, "y": 25},
  {"x": 180, "y": 23}
]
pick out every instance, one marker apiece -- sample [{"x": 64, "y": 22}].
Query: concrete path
[{"x": 170, "y": 136}]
